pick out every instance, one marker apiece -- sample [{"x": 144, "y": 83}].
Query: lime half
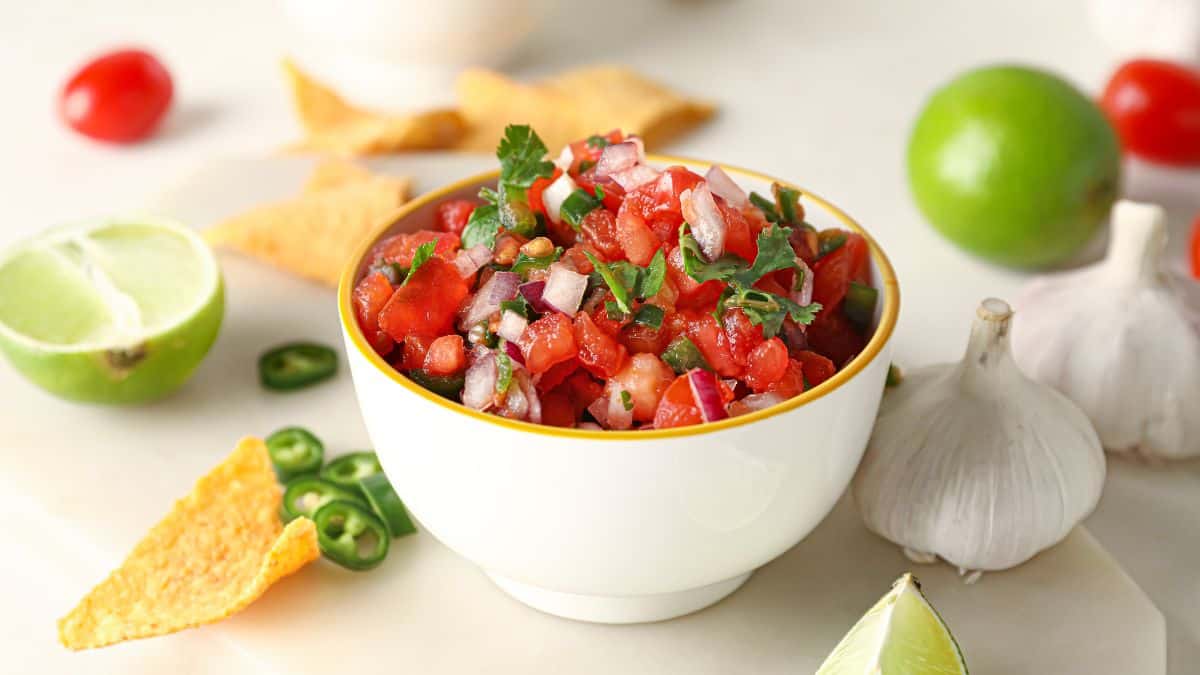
[
  {"x": 118, "y": 311},
  {"x": 900, "y": 635}
]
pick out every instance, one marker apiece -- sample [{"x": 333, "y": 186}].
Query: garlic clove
[
  {"x": 976, "y": 463},
  {"x": 1122, "y": 340}
]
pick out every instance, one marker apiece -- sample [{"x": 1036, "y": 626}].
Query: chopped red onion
[
  {"x": 502, "y": 286},
  {"x": 599, "y": 410},
  {"x": 514, "y": 352},
  {"x": 753, "y": 402},
  {"x": 708, "y": 225},
  {"x": 617, "y": 157},
  {"x": 479, "y": 383},
  {"x": 707, "y": 394},
  {"x": 723, "y": 186},
  {"x": 522, "y": 380},
  {"x": 641, "y": 146},
  {"x": 803, "y": 296},
  {"x": 618, "y": 417},
  {"x": 564, "y": 289},
  {"x": 468, "y": 261},
  {"x": 516, "y": 404},
  {"x": 555, "y": 194},
  {"x": 590, "y": 426},
  {"x": 533, "y": 291},
  {"x": 635, "y": 176},
  {"x": 512, "y": 326},
  {"x": 565, "y": 158}
]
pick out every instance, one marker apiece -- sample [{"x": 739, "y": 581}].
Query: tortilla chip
[
  {"x": 334, "y": 172},
  {"x": 313, "y": 235},
  {"x": 574, "y": 104},
  {"x": 217, "y": 551},
  {"x": 337, "y": 127}
]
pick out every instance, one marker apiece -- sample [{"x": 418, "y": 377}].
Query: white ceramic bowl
[{"x": 620, "y": 527}]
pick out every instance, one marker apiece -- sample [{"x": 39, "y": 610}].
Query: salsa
[{"x": 598, "y": 291}]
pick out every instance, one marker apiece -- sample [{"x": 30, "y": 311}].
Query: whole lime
[
  {"x": 118, "y": 311},
  {"x": 1014, "y": 165}
]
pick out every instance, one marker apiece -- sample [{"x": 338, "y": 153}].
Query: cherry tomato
[
  {"x": 119, "y": 97},
  {"x": 1155, "y": 107},
  {"x": 1196, "y": 248}
]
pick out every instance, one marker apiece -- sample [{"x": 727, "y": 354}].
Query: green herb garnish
[
  {"x": 596, "y": 141},
  {"x": 577, "y": 205},
  {"x": 482, "y": 227},
  {"x": 585, "y": 164},
  {"x": 626, "y": 400},
  {"x": 627, "y": 281},
  {"x": 518, "y": 305},
  {"x": 522, "y": 160},
  {"x": 424, "y": 252},
  {"x": 649, "y": 315},
  {"x": 613, "y": 311},
  {"x": 683, "y": 355}
]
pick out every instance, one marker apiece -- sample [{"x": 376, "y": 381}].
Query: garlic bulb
[
  {"x": 976, "y": 463},
  {"x": 1122, "y": 339}
]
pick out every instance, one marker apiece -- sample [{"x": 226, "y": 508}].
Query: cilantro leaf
[
  {"x": 656, "y": 272},
  {"x": 522, "y": 160},
  {"x": 628, "y": 281},
  {"x": 774, "y": 253},
  {"x": 597, "y": 141},
  {"x": 696, "y": 267},
  {"x": 482, "y": 227},
  {"x": 767, "y": 309},
  {"x": 489, "y": 195},
  {"x": 619, "y": 288},
  {"x": 626, "y": 400},
  {"x": 577, "y": 205},
  {"x": 649, "y": 315},
  {"x": 518, "y": 305},
  {"x": 766, "y": 206},
  {"x": 424, "y": 252}
]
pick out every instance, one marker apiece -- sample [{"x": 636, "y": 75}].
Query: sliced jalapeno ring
[
  {"x": 296, "y": 365},
  {"x": 295, "y": 451},
  {"x": 304, "y": 495},
  {"x": 347, "y": 470},
  {"x": 351, "y": 535},
  {"x": 383, "y": 498}
]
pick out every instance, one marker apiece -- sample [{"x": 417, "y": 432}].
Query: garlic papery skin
[
  {"x": 976, "y": 463},
  {"x": 1122, "y": 340}
]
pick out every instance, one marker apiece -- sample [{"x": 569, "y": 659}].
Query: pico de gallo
[{"x": 598, "y": 291}]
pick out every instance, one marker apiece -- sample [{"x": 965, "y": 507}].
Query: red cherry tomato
[
  {"x": 119, "y": 97},
  {"x": 1155, "y": 107},
  {"x": 1196, "y": 248}
]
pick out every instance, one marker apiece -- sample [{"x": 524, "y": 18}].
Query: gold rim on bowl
[{"x": 883, "y": 331}]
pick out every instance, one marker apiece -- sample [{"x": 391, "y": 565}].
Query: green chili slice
[
  {"x": 446, "y": 386},
  {"x": 387, "y": 504},
  {"x": 304, "y": 495},
  {"x": 347, "y": 470},
  {"x": 683, "y": 355},
  {"x": 860, "y": 304},
  {"x": 295, "y": 451},
  {"x": 296, "y": 365},
  {"x": 350, "y": 535}
]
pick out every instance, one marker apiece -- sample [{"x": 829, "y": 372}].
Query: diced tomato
[
  {"x": 738, "y": 238},
  {"x": 413, "y": 350},
  {"x": 637, "y": 241},
  {"x": 557, "y": 410},
  {"x": 805, "y": 243},
  {"x": 703, "y": 330},
  {"x": 833, "y": 273},
  {"x": 691, "y": 292},
  {"x": 427, "y": 304},
  {"x": 599, "y": 231},
  {"x": 574, "y": 255},
  {"x": 581, "y": 151},
  {"x": 613, "y": 193},
  {"x": 557, "y": 374},
  {"x": 446, "y": 356},
  {"x": 370, "y": 295},
  {"x": 547, "y": 341},
  {"x": 658, "y": 203},
  {"x": 603, "y": 321},
  {"x": 817, "y": 368},
  {"x": 791, "y": 383},
  {"x": 400, "y": 248},
  {"x": 598, "y": 351},
  {"x": 832, "y": 334},
  {"x": 452, "y": 215},
  {"x": 642, "y": 339},
  {"x": 677, "y": 407},
  {"x": 537, "y": 188},
  {"x": 743, "y": 336},
  {"x": 768, "y": 363},
  {"x": 645, "y": 377},
  {"x": 583, "y": 390}
]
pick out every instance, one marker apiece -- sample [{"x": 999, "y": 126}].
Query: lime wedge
[
  {"x": 118, "y": 311},
  {"x": 900, "y": 635}
]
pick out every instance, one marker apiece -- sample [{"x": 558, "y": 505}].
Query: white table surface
[{"x": 837, "y": 84}]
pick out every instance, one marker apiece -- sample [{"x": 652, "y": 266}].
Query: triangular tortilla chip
[
  {"x": 337, "y": 127},
  {"x": 217, "y": 551},
  {"x": 574, "y": 104},
  {"x": 334, "y": 172},
  {"x": 315, "y": 234}
]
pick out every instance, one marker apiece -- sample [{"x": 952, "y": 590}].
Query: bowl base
[{"x": 619, "y": 609}]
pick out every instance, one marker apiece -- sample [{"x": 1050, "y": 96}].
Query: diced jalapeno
[
  {"x": 347, "y": 470},
  {"x": 788, "y": 200},
  {"x": 387, "y": 504},
  {"x": 350, "y": 535},
  {"x": 295, "y": 451},
  {"x": 860, "y": 304},
  {"x": 683, "y": 355},
  {"x": 518, "y": 218},
  {"x": 304, "y": 495},
  {"x": 829, "y": 241},
  {"x": 894, "y": 376},
  {"x": 448, "y": 386},
  {"x": 296, "y": 365}
]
